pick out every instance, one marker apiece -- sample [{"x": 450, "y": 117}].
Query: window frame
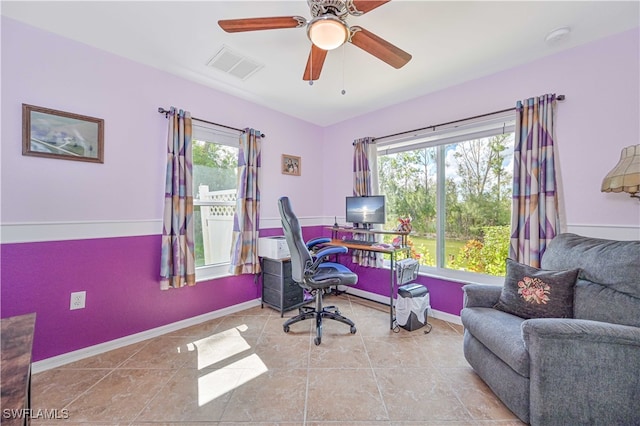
[
  {"x": 207, "y": 132},
  {"x": 439, "y": 137}
]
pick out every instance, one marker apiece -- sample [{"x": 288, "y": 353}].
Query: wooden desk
[
  {"x": 366, "y": 247},
  {"x": 392, "y": 252},
  {"x": 15, "y": 366},
  {"x": 346, "y": 229}
]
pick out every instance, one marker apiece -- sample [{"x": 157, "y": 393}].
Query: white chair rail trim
[{"x": 26, "y": 232}]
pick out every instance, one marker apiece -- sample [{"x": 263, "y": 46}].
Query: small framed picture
[
  {"x": 64, "y": 135},
  {"x": 291, "y": 165}
]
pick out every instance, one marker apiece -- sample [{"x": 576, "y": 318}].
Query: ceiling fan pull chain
[{"x": 344, "y": 65}]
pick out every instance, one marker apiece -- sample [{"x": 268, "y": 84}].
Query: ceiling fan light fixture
[{"x": 327, "y": 32}]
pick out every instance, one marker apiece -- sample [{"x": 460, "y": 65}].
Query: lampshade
[
  {"x": 625, "y": 176},
  {"x": 327, "y": 32}
]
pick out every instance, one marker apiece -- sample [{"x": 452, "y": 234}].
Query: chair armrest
[
  {"x": 579, "y": 330},
  {"x": 327, "y": 252},
  {"x": 315, "y": 241},
  {"x": 480, "y": 295},
  {"x": 582, "y": 370}
]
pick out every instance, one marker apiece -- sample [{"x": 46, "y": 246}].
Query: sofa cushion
[
  {"x": 610, "y": 263},
  {"x": 597, "y": 302},
  {"x": 501, "y": 333},
  {"x": 608, "y": 287},
  {"x": 530, "y": 292}
]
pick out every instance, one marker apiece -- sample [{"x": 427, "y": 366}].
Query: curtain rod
[
  {"x": 166, "y": 114},
  {"x": 559, "y": 97}
]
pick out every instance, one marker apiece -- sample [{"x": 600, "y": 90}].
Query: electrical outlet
[{"x": 77, "y": 300}]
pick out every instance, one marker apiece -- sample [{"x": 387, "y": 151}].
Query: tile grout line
[
  {"x": 306, "y": 389},
  {"x": 135, "y": 418},
  {"x": 90, "y": 387},
  {"x": 262, "y": 331},
  {"x": 111, "y": 372},
  {"x": 373, "y": 371}
]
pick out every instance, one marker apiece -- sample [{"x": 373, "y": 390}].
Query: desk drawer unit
[{"x": 279, "y": 291}]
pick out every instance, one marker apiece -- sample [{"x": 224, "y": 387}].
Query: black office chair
[{"x": 311, "y": 273}]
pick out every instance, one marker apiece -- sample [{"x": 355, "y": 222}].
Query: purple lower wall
[{"x": 120, "y": 276}]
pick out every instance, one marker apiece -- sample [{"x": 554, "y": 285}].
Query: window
[
  {"x": 455, "y": 184},
  {"x": 215, "y": 157}
]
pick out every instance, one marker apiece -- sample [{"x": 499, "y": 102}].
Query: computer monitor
[{"x": 366, "y": 210}]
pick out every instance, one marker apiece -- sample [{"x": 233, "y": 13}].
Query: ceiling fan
[{"x": 328, "y": 30}]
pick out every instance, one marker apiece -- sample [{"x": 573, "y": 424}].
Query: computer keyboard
[{"x": 361, "y": 242}]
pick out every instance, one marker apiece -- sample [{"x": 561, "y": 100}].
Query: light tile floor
[{"x": 242, "y": 369}]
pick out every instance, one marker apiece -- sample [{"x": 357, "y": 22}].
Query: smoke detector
[{"x": 558, "y": 35}]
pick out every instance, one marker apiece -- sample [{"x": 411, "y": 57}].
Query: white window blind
[
  {"x": 209, "y": 132},
  {"x": 457, "y": 132}
]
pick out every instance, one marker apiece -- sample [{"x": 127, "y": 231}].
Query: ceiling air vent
[{"x": 234, "y": 64}]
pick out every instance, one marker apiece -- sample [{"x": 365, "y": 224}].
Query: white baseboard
[
  {"x": 444, "y": 316},
  {"x": 367, "y": 295},
  {"x": 57, "y": 361}
]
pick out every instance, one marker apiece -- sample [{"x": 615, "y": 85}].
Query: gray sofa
[{"x": 566, "y": 371}]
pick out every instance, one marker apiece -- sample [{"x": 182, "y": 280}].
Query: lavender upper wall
[
  {"x": 47, "y": 70},
  {"x": 600, "y": 116}
]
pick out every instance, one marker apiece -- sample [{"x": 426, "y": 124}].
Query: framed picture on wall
[
  {"x": 57, "y": 134},
  {"x": 291, "y": 165}
]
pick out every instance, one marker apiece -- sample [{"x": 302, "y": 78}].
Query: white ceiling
[{"x": 451, "y": 42}]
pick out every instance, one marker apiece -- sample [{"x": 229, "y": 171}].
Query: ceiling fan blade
[
  {"x": 314, "y": 63},
  {"x": 258, "y": 24},
  {"x": 360, "y": 7},
  {"x": 379, "y": 47}
]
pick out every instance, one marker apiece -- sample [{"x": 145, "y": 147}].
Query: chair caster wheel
[
  {"x": 317, "y": 341},
  {"x": 286, "y": 328},
  {"x": 353, "y": 329}
]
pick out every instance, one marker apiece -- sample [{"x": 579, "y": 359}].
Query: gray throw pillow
[{"x": 530, "y": 292}]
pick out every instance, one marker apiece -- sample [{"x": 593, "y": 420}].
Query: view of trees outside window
[
  {"x": 214, "y": 186},
  {"x": 472, "y": 179}
]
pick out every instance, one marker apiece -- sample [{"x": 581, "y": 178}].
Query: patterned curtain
[
  {"x": 365, "y": 182},
  {"x": 177, "y": 264},
  {"x": 244, "y": 247},
  {"x": 535, "y": 218}
]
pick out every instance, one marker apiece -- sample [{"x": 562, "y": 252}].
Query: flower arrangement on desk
[{"x": 404, "y": 224}]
